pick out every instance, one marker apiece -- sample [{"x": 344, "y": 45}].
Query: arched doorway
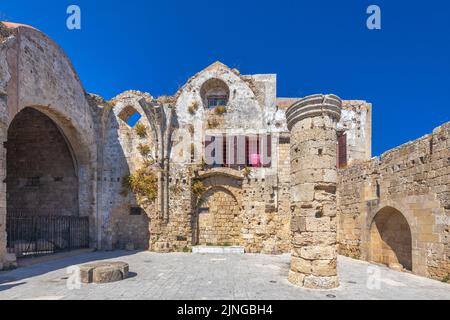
[
  {"x": 390, "y": 239},
  {"x": 218, "y": 218},
  {"x": 42, "y": 188}
]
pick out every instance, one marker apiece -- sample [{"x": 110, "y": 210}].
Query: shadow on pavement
[{"x": 51, "y": 266}]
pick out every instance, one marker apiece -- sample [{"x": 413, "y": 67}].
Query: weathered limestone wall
[
  {"x": 266, "y": 215},
  {"x": 413, "y": 179},
  {"x": 263, "y": 197},
  {"x": 356, "y": 121},
  {"x": 121, "y": 157},
  {"x": 6, "y": 41}
]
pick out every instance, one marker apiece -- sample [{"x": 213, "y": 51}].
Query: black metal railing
[{"x": 31, "y": 235}]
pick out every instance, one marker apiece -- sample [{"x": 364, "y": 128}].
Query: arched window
[{"x": 215, "y": 93}]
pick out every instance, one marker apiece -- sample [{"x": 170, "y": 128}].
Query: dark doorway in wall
[{"x": 41, "y": 188}]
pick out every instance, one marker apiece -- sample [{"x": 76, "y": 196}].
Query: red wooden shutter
[{"x": 342, "y": 150}]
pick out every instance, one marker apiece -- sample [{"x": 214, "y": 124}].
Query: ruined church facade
[{"x": 136, "y": 169}]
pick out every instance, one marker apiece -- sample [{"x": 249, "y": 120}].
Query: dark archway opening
[
  {"x": 41, "y": 188},
  {"x": 391, "y": 241}
]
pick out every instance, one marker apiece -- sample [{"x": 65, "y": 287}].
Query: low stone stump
[{"x": 104, "y": 272}]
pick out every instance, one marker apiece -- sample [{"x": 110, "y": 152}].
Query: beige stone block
[
  {"x": 324, "y": 268},
  {"x": 317, "y": 224},
  {"x": 296, "y": 278},
  {"x": 301, "y": 265},
  {"x": 302, "y": 192},
  {"x": 314, "y": 282},
  {"x": 298, "y": 224},
  {"x": 318, "y": 252}
]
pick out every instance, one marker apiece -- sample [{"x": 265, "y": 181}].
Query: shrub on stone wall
[
  {"x": 143, "y": 183},
  {"x": 141, "y": 130},
  {"x": 192, "y": 109},
  {"x": 219, "y": 110},
  {"x": 213, "y": 123},
  {"x": 198, "y": 188},
  {"x": 144, "y": 150},
  {"x": 246, "y": 172}
]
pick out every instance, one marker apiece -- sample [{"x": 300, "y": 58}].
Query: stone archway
[
  {"x": 218, "y": 218},
  {"x": 42, "y": 188},
  {"x": 41, "y": 172},
  {"x": 391, "y": 239}
]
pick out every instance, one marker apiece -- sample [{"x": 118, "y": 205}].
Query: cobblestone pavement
[{"x": 197, "y": 277}]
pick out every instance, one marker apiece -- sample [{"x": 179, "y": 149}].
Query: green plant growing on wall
[
  {"x": 247, "y": 172},
  {"x": 143, "y": 183},
  {"x": 187, "y": 249},
  {"x": 219, "y": 110},
  {"x": 213, "y": 123},
  {"x": 192, "y": 109},
  {"x": 198, "y": 188},
  {"x": 191, "y": 129},
  {"x": 144, "y": 149},
  {"x": 203, "y": 164},
  {"x": 141, "y": 130}
]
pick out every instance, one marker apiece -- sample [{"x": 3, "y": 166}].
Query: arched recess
[
  {"x": 43, "y": 78},
  {"x": 217, "y": 220},
  {"x": 41, "y": 169},
  {"x": 214, "y": 92},
  {"x": 391, "y": 239},
  {"x": 47, "y": 188}
]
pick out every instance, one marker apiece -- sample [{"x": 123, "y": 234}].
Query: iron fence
[{"x": 31, "y": 235}]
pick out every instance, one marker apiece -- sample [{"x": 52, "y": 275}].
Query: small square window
[
  {"x": 130, "y": 116},
  {"x": 135, "y": 211}
]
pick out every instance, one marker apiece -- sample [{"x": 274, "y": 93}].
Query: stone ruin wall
[
  {"x": 263, "y": 199},
  {"x": 415, "y": 180},
  {"x": 356, "y": 122}
]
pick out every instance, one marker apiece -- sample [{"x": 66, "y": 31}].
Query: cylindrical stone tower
[{"x": 312, "y": 122}]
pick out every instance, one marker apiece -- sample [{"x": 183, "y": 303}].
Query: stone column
[{"x": 312, "y": 122}]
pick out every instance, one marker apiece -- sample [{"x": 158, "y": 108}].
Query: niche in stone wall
[
  {"x": 215, "y": 93},
  {"x": 390, "y": 239}
]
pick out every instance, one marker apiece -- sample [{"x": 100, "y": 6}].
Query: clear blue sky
[{"x": 314, "y": 46}]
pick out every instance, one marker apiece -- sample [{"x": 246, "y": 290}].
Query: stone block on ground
[{"x": 103, "y": 272}]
